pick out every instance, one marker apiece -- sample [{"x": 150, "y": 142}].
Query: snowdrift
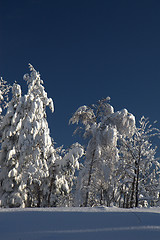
[{"x": 80, "y": 223}]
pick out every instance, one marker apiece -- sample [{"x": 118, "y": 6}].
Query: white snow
[{"x": 80, "y": 223}]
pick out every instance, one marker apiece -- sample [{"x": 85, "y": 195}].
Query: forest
[{"x": 119, "y": 165}]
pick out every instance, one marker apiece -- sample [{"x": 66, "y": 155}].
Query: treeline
[{"x": 118, "y": 167}]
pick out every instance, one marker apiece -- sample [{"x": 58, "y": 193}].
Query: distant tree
[
  {"x": 138, "y": 167},
  {"x": 95, "y": 185}
]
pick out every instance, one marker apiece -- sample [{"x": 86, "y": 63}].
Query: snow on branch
[{"x": 35, "y": 86}]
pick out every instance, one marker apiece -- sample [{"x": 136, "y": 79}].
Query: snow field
[{"x": 80, "y": 223}]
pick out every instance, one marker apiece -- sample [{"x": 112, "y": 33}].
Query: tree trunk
[
  {"x": 133, "y": 192},
  {"x": 101, "y": 196},
  {"x": 89, "y": 180},
  {"x": 38, "y": 196},
  {"x": 50, "y": 191},
  {"x": 137, "y": 187},
  {"x": 137, "y": 179}
]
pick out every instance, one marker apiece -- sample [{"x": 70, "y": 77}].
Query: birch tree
[
  {"x": 95, "y": 185},
  {"x": 139, "y": 167}
]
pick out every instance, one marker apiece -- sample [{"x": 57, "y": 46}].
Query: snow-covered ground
[{"x": 80, "y": 223}]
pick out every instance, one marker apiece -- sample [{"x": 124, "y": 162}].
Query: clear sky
[{"x": 85, "y": 50}]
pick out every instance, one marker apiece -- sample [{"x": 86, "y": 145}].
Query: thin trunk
[
  {"x": 133, "y": 192},
  {"x": 101, "y": 196},
  {"x": 137, "y": 187},
  {"x": 127, "y": 203},
  {"x": 137, "y": 180},
  {"x": 89, "y": 180},
  {"x": 124, "y": 200},
  {"x": 38, "y": 196},
  {"x": 50, "y": 191}
]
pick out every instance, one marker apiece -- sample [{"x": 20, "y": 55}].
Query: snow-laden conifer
[
  {"x": 4, "y": 98},
  {"x": 4, "y": 91},
  {"x": 10, "y": 194},
  {"x": 37, "y": 153},
  {"x": 27, "y": 149}
]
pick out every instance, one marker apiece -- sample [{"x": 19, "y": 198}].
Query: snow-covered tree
[
  {"x": 36, "y": 149},
  {"x": 95, "y": 185},
  {"x": 33, "y": 173},
  {"x": 67, "y": 164},
  {"x": 10, "y": 194},
  {"x": 138, "y": 167},
  {"x": 4, "y": 98},
  {"x": 27, "y": 149},
  {"x": 4, "y": 91}
]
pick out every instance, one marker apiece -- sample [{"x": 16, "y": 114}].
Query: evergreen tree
[
  {"x": 33, "y": 173},
  {"x": 27, "y": 150},
  {"x": 36, "y": 149},
  {"x": 10, "y": 193},
  {"x": 4, "y": 98}
]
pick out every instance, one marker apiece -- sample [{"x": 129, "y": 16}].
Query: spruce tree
[
  {"x": 27, "y": 149},
  {"x": 11, "y": 194}
]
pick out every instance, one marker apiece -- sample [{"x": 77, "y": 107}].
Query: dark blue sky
[{"x": 85, "y": 50}]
